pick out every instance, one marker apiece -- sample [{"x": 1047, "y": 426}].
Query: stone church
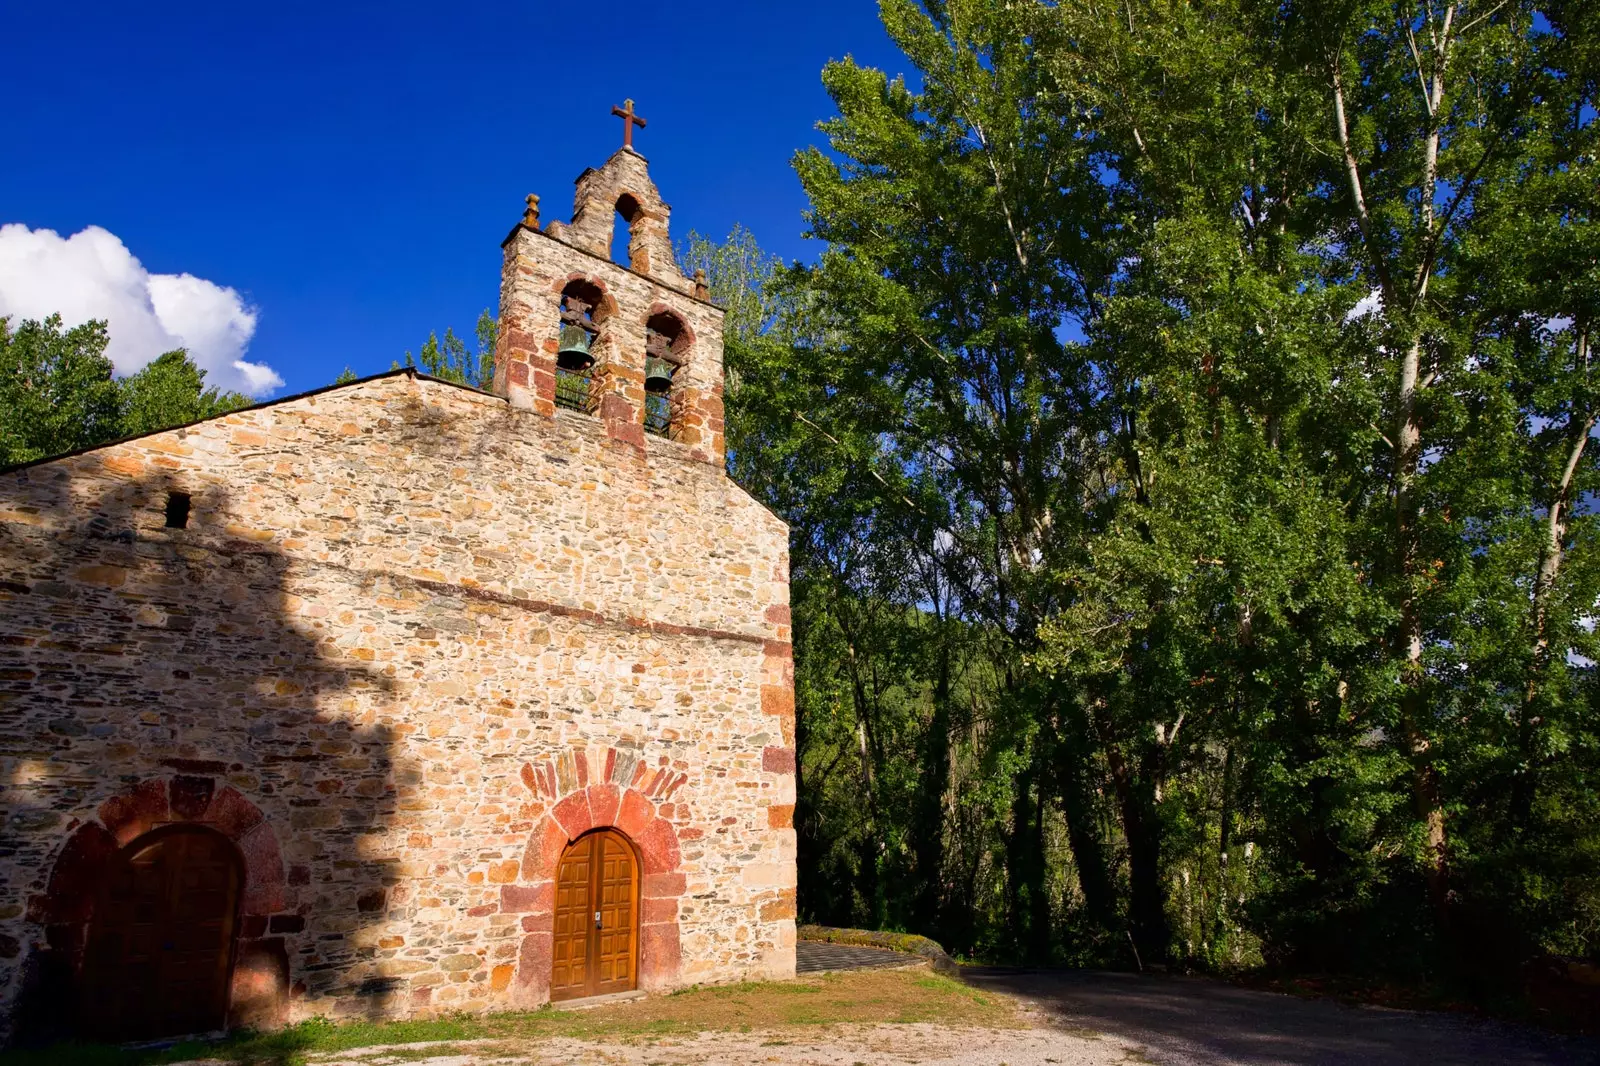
[{"x": 400, "y": 697}]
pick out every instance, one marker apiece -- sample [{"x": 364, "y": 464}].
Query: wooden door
[
  {"x": 160, "y": 943},
  {"x": 597, "y": 918}
]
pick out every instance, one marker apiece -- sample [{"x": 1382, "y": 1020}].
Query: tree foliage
[
  {"x": 57, "y": 393},
  {"x": 449, "y": 359},
  {"x": 1185, "y": 434}
]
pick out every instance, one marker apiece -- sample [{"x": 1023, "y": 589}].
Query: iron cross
[{"x": 629, "y": 120}]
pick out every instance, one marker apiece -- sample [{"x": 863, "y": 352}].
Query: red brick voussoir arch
[
  {"x": 633, "y": 799},
  {"x": 259, "y": 992}
]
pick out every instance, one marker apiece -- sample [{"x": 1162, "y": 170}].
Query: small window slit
[{"x": 177, "y": 510}]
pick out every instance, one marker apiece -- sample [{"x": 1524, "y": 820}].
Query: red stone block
[
  {"x": 611, "y": 753},
  {"x": 778, "y": 614},
  {"x": 574, "y": 815},
  {"x": 780, "y": 816},
  {"x": 580, "y": 765},
  {"x": 519, "y": 373},
  {"x": 259, "y": 992},
  {"x": 190, "y": 796},
  {"x": 481, "y": 911},
  {"x": 634, "y": 815},
  {"x": 777, "y": 760},
  {"x": 135, "y": 813},
  {"x": 604, "y": 802},
  {"x": 533, "y": 961},
  {"x": 659, "y": 843},
  {"x": 76, "y": 880},
  {"x": 263, "y": 871},
  {"x": 663, "y": 886},
  {"x": 659, "y": 955},
  {"x": 544, "y": 851},
  {"x": 658, "y": 910},
  {"x": 232, "y": 814},
  {"x": 777, "y": 699},
  {"x": 528, "y": 778},
  {"x": 526, "y": 899}
]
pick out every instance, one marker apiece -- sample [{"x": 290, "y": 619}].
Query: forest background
[{"x": 1185, "y": 433}]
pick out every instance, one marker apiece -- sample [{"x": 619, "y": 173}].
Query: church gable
[{"x": 407, "y": 672}]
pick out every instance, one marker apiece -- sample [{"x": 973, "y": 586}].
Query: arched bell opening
[
  {"x": 628, "y": 213},
  {"x": 666, "y": 347},
  {"x": 595, "y": 949},
  {"x": 161, "y": 942},
  {"x": 583, "y": 309}
]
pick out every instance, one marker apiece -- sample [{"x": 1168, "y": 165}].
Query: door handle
[{"x": 597, "y": 919}]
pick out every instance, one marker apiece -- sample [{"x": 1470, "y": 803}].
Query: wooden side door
[
  {"x": 597, "y": 918},
  {"x": 160, "y": 944}
]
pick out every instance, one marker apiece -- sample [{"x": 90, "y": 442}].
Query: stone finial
[
  {"x": 702, "y": 291},
  {"x": 530, "y": 217}
]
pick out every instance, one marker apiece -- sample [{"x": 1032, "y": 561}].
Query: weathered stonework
[{"x": 414, "y": 639}]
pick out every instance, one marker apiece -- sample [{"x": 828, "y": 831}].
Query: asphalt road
[{"x": 1189, "y": 1021}]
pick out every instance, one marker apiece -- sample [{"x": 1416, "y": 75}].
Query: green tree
[
  {"x": 1220, "y": 372},
  {"x": 170, "y": 391},
  {"x": 56, "y": 390},
  {"x": 449, "y": 359}
]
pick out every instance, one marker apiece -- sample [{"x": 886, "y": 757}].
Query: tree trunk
[
  {"x": 1552, "y": 553},
  {"x": 1072, "y": 775},
  {"x": 1147, "y": 902}
]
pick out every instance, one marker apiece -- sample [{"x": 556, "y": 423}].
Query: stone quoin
[{"x": 328, "y": 735}]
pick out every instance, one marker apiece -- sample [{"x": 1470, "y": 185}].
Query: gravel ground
[{"x": 863, "y": 1045}]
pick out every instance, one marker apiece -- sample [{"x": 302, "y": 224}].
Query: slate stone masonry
[{"x": 413, "y": 639}]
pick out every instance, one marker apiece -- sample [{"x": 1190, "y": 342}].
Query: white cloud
[{"x": 92, "y": 274}]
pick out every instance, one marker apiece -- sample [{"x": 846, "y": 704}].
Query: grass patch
[{"x": 861, "y": 997}]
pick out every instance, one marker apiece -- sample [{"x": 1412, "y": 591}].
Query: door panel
[
  {"x": 161, "y": 941},
  {"x": 569, "y": 954},
  {"x": 596, "y": 919},
  {"x": 617, "y": 893}
]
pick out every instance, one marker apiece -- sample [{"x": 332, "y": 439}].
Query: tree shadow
[{"x": 152, "y": 674}]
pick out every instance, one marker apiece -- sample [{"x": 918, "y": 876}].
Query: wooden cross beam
[{"x": 629, "y": 120}]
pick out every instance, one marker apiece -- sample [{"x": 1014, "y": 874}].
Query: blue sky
[{"x": 350, "y": 169}]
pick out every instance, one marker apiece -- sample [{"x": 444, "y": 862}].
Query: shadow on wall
[{"x": 152, "y": 676}]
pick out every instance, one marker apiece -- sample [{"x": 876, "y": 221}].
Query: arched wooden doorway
[
  {"x": 596, "y": 946},
  {"x": 161, "y": 940}
]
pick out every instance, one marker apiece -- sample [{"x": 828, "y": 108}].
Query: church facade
[{"x": 400, "y": 697}]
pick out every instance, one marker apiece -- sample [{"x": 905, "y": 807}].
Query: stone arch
[
  {"x": 683, "y": 333},
  {"x": 605, "y": 304},
  {"x": 609, "y": 788},
  {"x": 668, "y": 340},
  {"x": 259, "y": 987}
]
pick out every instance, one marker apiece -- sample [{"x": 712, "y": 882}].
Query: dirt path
[{"x": 1189, "y": 1021}]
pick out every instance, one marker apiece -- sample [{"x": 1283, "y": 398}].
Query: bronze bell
[
  {"x": 572, "y": 353},
  {"x": 657, "y": 374}
]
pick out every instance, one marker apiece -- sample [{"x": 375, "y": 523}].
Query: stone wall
[{"x": 413, "y": 639}]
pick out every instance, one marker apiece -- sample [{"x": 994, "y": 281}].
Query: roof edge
[{"x": 410, "y": 371}]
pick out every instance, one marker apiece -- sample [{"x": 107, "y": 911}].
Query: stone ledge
[{"x": 906, "y": 943}]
